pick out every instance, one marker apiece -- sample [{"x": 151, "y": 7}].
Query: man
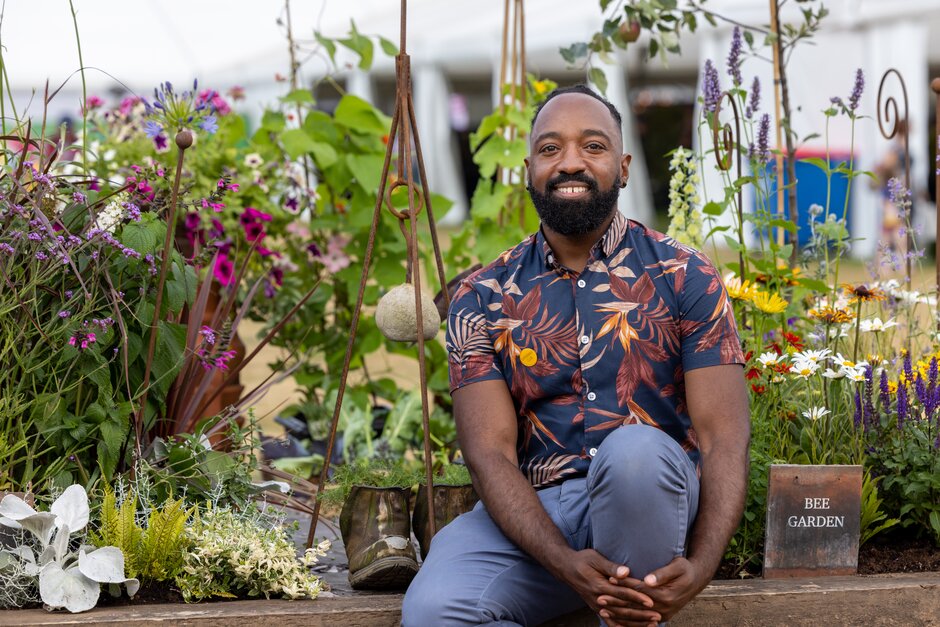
[{"x": 600, "y": 405}]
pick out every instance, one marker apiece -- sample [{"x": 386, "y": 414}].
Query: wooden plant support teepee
[{"x": 403, "y": 137}]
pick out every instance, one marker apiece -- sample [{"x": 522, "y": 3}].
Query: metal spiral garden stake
[
  {"x": 404, "y": 130},
  {"x": 723, "y": 151},
  {"x": 889, "y": 114}
]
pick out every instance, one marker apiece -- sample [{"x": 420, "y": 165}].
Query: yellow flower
[
  {"x": 540, "y": 87},
  {"x": 738, "y": 289},
  {"x": 769, "y": 303},
  {"x": 861, "y": 293},
  {"x": 832, "y": 315}
]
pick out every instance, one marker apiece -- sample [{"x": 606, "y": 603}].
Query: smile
[{"x": 571, "y": 190}]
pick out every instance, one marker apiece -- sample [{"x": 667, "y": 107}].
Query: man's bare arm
[
  {"x": 718, "y": 405},
  {"x": 487, "y": 431}
]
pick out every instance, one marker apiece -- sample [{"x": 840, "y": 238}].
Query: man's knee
[{"x": 638, "y": 453}]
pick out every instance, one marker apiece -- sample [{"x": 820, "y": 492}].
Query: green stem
[
  {"x": 81, "y": 69},
  {"x": 858, "y": 323}
]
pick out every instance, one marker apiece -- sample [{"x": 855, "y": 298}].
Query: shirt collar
[{"x": 608, "y": 243}]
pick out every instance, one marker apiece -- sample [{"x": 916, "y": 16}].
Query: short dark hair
[{"x": 580, "y": 88}]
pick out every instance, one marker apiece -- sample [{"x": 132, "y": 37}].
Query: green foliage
[
  {"x": 237, "y": 554},
  {"x": 153, "y": 552},
  {"x": 378, "y": 473},
  {"x": 873, "y": 520},
  {"x": 908, "y": 464}
]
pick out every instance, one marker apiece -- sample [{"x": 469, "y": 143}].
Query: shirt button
[
  {"x": 581, "y": 283},
  {"x": 551, "y": 259},
  {"x": 585, "y": 339},
  {"x": 591, "y": 396},
  {"x": 592, "y": 452}
]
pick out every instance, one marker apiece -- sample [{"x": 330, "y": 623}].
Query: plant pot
[
  {"x": 450, "y": 501},
  {"x": 376, "y": 529}
]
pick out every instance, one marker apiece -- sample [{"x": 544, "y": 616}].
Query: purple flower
[
  {"x": 754, "y": 103},
  {"x": 902, "y": 406},
  {"x": 79, "y": 197},
  {"x": 161, "y": 143},
  {"x": 869, "y": 407},
  {"x": 734, "y": 57},
  {"x": 857, "y": 90},
  {"x": 908, "y": 370},
  {"x": 920, "y": 389},
  {"x": 711, "y": 90},
  {"x": 209, "y": 124},
  {"x": 68, "y": 293},
  {"x": 41, "y": 256},
  {"x": 884, "y": 395},
  {"x": 65, "y": 313},
  {"x": 152, "y": 129},
  {"x": 208, "y": 334},
  {"x": 4, "y": 247},
  {"x": 857, "y": 419},
  {"x": 762, "y": 152},
  {"x": 132, "y": 211}
]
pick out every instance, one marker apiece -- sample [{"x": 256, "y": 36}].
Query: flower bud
[{"x": 184, "y": 139}]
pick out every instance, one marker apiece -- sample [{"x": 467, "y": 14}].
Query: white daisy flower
[
  {"x": 816, "y": 413},
  {"x": 834, "y": 374},
  {"x": 804, "y": 368},
  {"x": 875, "y": 325},
  {"x": 768, "y": 359},
  {"x": 811, "y": 355}
]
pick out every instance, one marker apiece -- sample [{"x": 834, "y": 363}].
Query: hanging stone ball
[
  {"x": 395, "y": 315},
  {"x": 184, "y": 139}
]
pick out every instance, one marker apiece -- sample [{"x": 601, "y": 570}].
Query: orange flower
[{"x": 862, "y": 293}]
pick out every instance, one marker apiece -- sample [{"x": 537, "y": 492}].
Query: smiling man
[{"x": 600, "y": 405}]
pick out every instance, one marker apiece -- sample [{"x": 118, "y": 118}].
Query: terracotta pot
[
  {"x": 376, "y": 529},
  {"x": 450, "y": 501}
]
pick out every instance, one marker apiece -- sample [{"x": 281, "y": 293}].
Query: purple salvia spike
[
  {"x": 857, "y": 419},
  {"x": 884, "y": 395}
]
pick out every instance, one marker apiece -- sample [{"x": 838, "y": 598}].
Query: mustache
[{"x": 563, "y": 179}]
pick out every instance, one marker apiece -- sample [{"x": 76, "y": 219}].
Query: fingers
[
  {"x": 631, "y": 617},
  {"x": 670, "y": 572},
  {"x": 611, "y": 569}
]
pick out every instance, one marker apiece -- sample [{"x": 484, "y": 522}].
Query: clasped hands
[{"x": 622, "y": 601}]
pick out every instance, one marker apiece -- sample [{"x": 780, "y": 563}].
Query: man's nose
[{"x": 571, "y": 161}]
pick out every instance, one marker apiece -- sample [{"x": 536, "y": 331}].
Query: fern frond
[{"x": 162, "y": 551}]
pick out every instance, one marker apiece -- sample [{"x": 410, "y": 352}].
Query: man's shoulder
[
  {"x": 505, "y": 264},
  {"x": 662, "y": 246}
]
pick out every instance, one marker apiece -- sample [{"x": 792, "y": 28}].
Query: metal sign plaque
[{"x": 813, "y": 520}]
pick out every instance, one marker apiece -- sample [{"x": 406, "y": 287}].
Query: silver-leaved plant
[{"x": 68, "y": 578}]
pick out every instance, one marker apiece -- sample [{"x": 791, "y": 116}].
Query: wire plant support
[{"x": 402, "y": 134}]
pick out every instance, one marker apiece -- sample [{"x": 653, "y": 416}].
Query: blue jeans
[{"x": 635, "y": 507}]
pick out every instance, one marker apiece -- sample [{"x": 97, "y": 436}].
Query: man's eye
[
  {"x": 549, "y": 148},
  {"x": 595, "y": 146}
]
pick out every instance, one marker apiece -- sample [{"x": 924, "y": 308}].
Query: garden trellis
[{"x": 403, "y": 131}]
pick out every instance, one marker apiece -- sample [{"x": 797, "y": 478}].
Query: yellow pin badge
[{"x": 528, "y": 357}]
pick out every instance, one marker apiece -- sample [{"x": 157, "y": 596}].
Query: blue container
[{"x": 811, "y": 190}]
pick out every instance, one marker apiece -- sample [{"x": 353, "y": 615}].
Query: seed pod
[{"x": 396, "y": 319}]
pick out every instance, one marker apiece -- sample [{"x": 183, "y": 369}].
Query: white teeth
[{"x": 571, "y": 190}]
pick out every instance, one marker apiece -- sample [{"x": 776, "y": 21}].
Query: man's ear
[{"x": 625, "y": 169}]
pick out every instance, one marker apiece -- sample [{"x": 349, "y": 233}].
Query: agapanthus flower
[
  {"x": 734, "y": 57},
  {"x": 209, "y": 124},
  {"x": 711, "y": 90},
  {"x": 152, "y": 129}
]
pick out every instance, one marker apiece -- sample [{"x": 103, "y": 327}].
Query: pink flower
[
  {"x": 254, "y": 231},
  {"x": 93, "y": 102},
  {"x": 335, "y": 259},
  {"x": 127, "y": 105},
  {"x": 224, "y": 270}
]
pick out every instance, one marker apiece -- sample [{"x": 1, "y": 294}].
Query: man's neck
[{"x": 573, "y": 251}]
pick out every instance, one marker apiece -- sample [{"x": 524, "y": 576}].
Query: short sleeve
[
  {"x": 470, "y": 352},
  {"x": 708, "y": 330}
]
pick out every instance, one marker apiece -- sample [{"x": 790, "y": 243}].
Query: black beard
[{"x": 574, "y": 217}]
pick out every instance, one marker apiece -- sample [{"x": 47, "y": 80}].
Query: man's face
[{"x": 576, "y": 164}]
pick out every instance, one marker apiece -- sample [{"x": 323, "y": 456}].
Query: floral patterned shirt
[{"x": 585, "y": 353}]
